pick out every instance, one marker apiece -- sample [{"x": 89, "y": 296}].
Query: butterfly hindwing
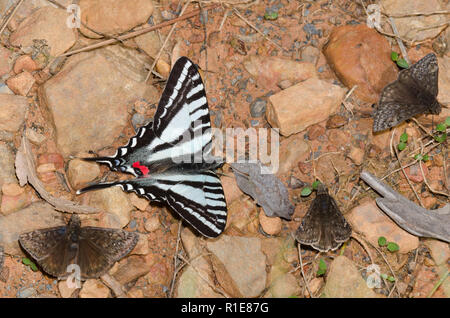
[
  {"x": 197, "y": 196},
  {"x": 413, "y": 93}
]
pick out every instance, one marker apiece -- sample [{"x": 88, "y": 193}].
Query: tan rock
[
  {"x": 34, "y": 137},
  {"x": 314, "y": 286},
  {"x": 142, "y": 247},
  {"x": 12, "y": 189},
  {"x": 46, "y": 167},
  {"x": 444, "y": 80},
  {"x": 13, "y": 203},
  {"x": 292, "y": 150},
  {"x": 12, "y": 111},
  {"x": 80, "y": 172},
  {"x": 93, "y": 288},
  {"x": 138, "y": 202},
  {"x": 114, "y": 201},
  {"x": 98, "y": 113},
  {"x": 242, "y": 259},
  {"x": 360, "y": 56},
  {"x": 64, "y": 290},
  {"x": 291, "y": 114},
  {"x": 21, "y": 83},
  {"x": 285, "y": 286},
  {"x": 5, "y": 61},
  {"x": 241, "y": 213},
  {"x": 132, "y": 268},
  {"x": 416, "y": 27},
  {"x": 47, "y": 23},
  {"x": 113, "y": 16},
  {"x": 270, "y": 225},
  {"x": 230, "y": 189},
  {"x": 269, "y": 71},
  {"x": 356, "y": 154},
  {"x": 369, "y": 220},
  {"x": 344, "y": 280},
  {"x": 152, "y": 223}
]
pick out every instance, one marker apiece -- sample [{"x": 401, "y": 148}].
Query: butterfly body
[
  {"x": 171, "y": 156},
  {"x": 93, "y": 249},
  {"x": 413, "y": 93},
  {"x": 323, "y": 227}
]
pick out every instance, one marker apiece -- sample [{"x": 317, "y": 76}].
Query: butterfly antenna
[
  {"x": 110, "y": 161},
  {"x": 98, "y": 186}
]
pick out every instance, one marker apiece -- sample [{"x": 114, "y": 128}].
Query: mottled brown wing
[
  {"x": 425, "y": 74},
  {"x": 324, "y": 227},
  {"x": 51, "y": 249},
  {"x": 413, "y": 93},
  {"x": 100, "y": 248}
]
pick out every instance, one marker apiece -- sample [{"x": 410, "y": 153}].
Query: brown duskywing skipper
[
  {"x": 323, "y": 227},
  {"x": 93, "y": 249},
  {"x": 414, "y": 92}
]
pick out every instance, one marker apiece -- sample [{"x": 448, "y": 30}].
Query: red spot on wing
[{"x": 143, "y": 169}]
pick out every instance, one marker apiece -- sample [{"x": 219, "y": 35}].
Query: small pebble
[{"x": 258, "y": 108}]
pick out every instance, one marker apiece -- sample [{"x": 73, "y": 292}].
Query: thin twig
[
  {"x": 439, "y": 283},
  {"x": 406, "y": 176},
  {"x": 257, "y": 30},
  {"x": 139, "y": 32},
  {"x": 10, "y": 16},
  {"x": 429, "y": 187},
  {"x": 301, "y": 269},
  {"x": 165, "y": 42},
  {"x": 175, "y": 260},
  {"x": 415, "y": 14},
  {"x": 399, "y": 40},
  {"x": 360, "y": 240},
  {"x": 223, "y": 293}
]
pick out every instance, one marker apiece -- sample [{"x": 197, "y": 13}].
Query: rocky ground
[{"x": 313, "y": 69}]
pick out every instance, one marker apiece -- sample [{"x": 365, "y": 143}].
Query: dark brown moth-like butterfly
[
  {"x": 414, "y": 92},
  {"x": 323, "y": 227},
  {"x": 93, "y": 249}
]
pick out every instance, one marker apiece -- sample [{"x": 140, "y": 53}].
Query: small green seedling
[
  {"x": 392, "y": 247},
  {"x": 400, "y": 62},
  {"x": 389, "y": 278},
  {"x": 382, "y": 241},
  {"x": 322, "y": 268},
  {"x": 403, "y": 141},
  {"x": 306, "y": 191},
  {"x": 271, "y": 15},
  {"x": 28, "y": 262},
  {"x": 422, "y": 158}
]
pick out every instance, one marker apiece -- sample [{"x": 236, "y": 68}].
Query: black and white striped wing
[
  {"x": 197, "y": 196},
  {"x": 180, "y": 131}
]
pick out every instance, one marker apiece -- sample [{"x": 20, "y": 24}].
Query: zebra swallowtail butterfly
[{"x": 181, "y": 129}]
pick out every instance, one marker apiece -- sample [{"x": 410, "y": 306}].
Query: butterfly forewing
[
  {"x": 413, "y": 93},
  {"x": 51, "y": 249}
]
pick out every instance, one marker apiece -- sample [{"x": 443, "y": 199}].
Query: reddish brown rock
[
  {"x": 360, "y": 56},
  {"x": 336, "y": 121},
  {"x": 25, "y": 63}
]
